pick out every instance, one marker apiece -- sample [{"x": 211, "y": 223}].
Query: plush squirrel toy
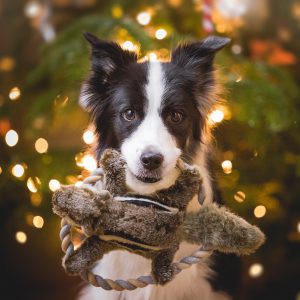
[{"x": 152, "y": 226}]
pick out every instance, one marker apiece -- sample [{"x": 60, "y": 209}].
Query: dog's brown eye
[
  {"x": 129, "y": 115},
  {"x": 176, "y": 117}
]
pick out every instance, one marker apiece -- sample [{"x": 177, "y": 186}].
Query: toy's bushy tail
[{"x": 218, "y": 229}]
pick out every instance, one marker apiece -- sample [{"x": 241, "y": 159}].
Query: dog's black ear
[
  {"x": 106, "y": 57},
  {"x": 198, "y": 54}
]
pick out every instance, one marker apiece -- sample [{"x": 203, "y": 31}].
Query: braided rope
[{"x": 119, "y": 285}]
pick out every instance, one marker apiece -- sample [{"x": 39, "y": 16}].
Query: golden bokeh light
[
  {"x": 21, "y": 237},
  {"x": 38, "y": 221},
  {"x": 32, "y": 9},
  {"x": 88, "y": 137},
  {"x": 152, "y": 56},
  {"x": 216, "y": 116},
  {"x": 227, "y": 166},
  {"x": 7, "y": 63},
  {"x": 260, "y": 211},
  {"x": 298, "y": 227},
  {"x": 239, "y": 196},
  {"x": 41, "y": 145},
  {"x": 161, "y": 33},
  {"x": 54, "y": 185},
  {"x": 31, "y": 184},
  {"x": 256, "y": 270},
  {"x": 35, "y": 199},
  {"x": 143, "y": 18},
  {"x": 14, "y": 93},
  {"x": 11, "y": 138},
  {"x": 128, "y": 45},
  {"x": 18, "y": 170},
  {"x": 89, "y": 162}
]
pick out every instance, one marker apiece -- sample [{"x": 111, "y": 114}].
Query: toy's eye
[
  {"x": 129, "y": 115},
  {"x": 176, "y": 117}
]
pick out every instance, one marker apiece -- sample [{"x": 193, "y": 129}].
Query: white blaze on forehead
[{"x": 152, "y": 132}]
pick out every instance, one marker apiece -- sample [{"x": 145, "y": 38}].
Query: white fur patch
[{"x": 152, "y": 133}]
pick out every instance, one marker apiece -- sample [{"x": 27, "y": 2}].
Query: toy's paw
[
  {"x": 74, "y": 264},
  {"x": 163, "y": 274}
]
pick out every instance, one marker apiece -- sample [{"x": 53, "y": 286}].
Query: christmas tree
[{"x": 256, "y": 128}]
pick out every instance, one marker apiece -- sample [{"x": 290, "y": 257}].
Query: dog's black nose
[{"x": 151, "y": 160}]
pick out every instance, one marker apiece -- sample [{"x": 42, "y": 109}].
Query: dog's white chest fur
[{"x": 190, "y": 284}]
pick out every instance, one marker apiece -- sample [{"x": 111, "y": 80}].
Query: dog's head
[{"x": 152, "y": 111}]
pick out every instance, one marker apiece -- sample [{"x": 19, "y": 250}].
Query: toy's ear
[{"x": 106, "y": 57}]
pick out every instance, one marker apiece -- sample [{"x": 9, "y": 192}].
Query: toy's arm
[
  {"x": 186, "y": 186},
  {"x": 80, "y": 205},
  {"x": 218, "y": 229}
]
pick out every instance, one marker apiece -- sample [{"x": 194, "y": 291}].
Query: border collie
[{"x": 154, "y": 113}]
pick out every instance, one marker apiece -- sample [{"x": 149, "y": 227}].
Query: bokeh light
[
  {"x": 14, "y": 93},
  {"x": 18, "y": 170},
  {"x": 41, "y": 145},
  {"x": 11, "y": 138},
  {"x": 143, "y": 18},
  {"x": 260, "y": 211},
  {"x": 239, "y": 196},
  {"x": 89, "y": 162},
  {"x": 54, "y": 185},
  {"x": 88, "y": 137},
  {"x": 161, "y": 33},
  {"x": 38, "y": 221},
  {"x": 21, "y": 237},
  {"x": 32, "y": 9},
  {"x": 216, "y": 116},
  {"x": 227, "y": 166},
  {"x": 36, "y": 199},
  {"x": 256, "y": 270}
]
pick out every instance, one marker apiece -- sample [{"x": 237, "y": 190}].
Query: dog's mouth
[{"x": 147, "y": 179}]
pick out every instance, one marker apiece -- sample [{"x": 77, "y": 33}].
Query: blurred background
[{"x": 44, "y": 134}]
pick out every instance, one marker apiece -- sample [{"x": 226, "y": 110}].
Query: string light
[
  {"x": 21, "y": 237},
  {"x": 18, "y": 170},
  {"x": 160, "y": 34},
  {"x": 143, "y": 18},
  {"x": 128, "y": 45},
  {"x": 11, "y": 138},
  {"x": 54, "y": 185},
  {"x": 89, "y": 162},
  {"x": 256, "y": 270},
  {"x": 216, "y": 116},
  {"x": 298, "y": 226},
  {"x": 152, "y": 56},
  {"x": 14, "y": 93},
  {"x": 41, "y": 145},
  {"x": 0, "y": 170},
  {"x": 38, "y": 222},
  {"x": 239, "y": 196},
  {"x": 260, "y": 211},
  {"x": 227, "y": 166}
]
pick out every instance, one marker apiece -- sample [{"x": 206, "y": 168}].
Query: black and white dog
[{"x": 153, "y": 112}]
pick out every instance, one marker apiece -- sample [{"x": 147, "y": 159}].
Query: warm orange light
[
  {"x": 38, "y": 222},
  {"x": 54, "y": 185},
  {"x": 14, "y": 93},
  {"x": 143, "y": 18},
  {"x": 256, "y": 270},
  {"x": 41, "y": 145},
  {"x": 11, "y": 138},
  {"x": 21, "y": 237},
  {"x": 18, "y": 170},
  {"x": 260, "y": 211},
  {"x": 227, "y": 166}
]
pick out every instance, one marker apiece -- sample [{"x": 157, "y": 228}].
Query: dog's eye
[
  {"x": 129, "y": 115},
  {"x": 176, "y": 117}
]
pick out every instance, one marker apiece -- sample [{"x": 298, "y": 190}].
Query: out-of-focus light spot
[
  {"x": 298, "y": 226},
  {"x": 78, "y": 183},
  {"x": 21, "y": 237},
  {"x": 117, "y": 11},
  {"x": 0, "y": 170},
  {"x": 239, "y": 79},
  {"x": 32, "y": 9},
  {"x": 239, "y": 196},
  {"x": 256, "y": 270},
  {"x": 89, "y": 162},
  {"x": 174, "y": 3},
  {"x": 11, "y": 138},
  {"x": 160, "y": 33},
  {"x": 38, "y": 222},
  {"x": 152, "y": 56},
  {"x": 29, "y": 219},
  {"x": 143, "y": 18},
  {"x": 260, "y": 211},
  {"x": 36, "y": 199},
  {"x": 54, "y": 185},
  {"x": 236, "y": 49},
  {"x": 31, "y": 185},
  {"x": 88, "y": 137},
  {"x": 14, "y": 93},
  {"x": 217, "y": 116},
  {"x": 6, "y": 63},
  {"x": 128, "y": 45},
  {"x": 227, "y": 166},
  {"x": 18, "y": 170},
  {"x": 41, "y": 145}
]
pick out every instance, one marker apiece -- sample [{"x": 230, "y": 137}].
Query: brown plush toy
[
  {"x": 151, "y": 225},
  {"x": 117, "y": 219}
]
